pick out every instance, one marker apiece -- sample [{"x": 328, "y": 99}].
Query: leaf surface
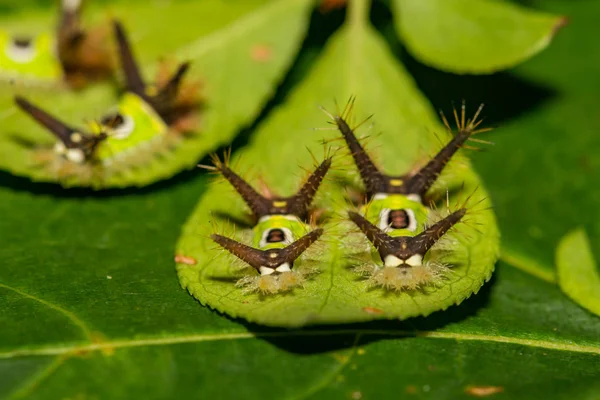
[
  {"x": 577, "y": 270},
  {"x": 239, "y": 51},
  {"x": 355, "y": 61},
  {"x": 549, "y": 176},
  {"x": 473, "y": 36}
]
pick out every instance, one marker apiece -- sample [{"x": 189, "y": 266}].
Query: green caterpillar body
[
  {"x": 137, "y": 123},
  {"x": 29, "y": 59},
  {"x": 395, "y": 220}
]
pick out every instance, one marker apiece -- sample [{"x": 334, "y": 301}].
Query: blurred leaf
[
  {"x": 239, "y": 51},
  {"x": 473, "y": 36},
  {"x": 355, "y": 61},
  {"x": 577, "y": 271}
]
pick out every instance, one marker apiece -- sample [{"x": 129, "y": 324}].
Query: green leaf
[
  {"x": 221, "y": 39},
  {"x": 577, "y": 270},
  {"x": 355, "y": 61},
  {"x": 550, "y": 176},
  {"x": 473, "y": 36}
]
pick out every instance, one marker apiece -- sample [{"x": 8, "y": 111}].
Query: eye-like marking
[
  {"x": 119, "y": 126},
  {"x": 397, "y": 219},
  {"x": 276, "y": 235},
  {"x": 21, "y": 50}
]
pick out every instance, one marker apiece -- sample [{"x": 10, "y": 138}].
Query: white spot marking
[
  {"x": 71, "y": 5},
  {"x": 20, "y": 54},
  {"x": 266, "y": 271},
  {"x": 392, "y": 261},
  {"x": 415, "y": 260},
  {"x": 380, "y": 196},
  {"x": 414, "y": 197},
  {"x": 412, "y": 221},
  {"x": 290, "y": 217},
  {"x": 76, "y": 137},
  {"x": 75, "y": 155},
  {"x": 60, "y": 148},
  {"x": 285, "y": 267}
]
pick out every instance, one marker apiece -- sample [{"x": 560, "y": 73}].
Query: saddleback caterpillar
[
  {"x": 395, "y": 219},
  {"x": 71, "y": 54},
  {"x": 149, "y": 121},
  {"x": 279, "y": 234}
]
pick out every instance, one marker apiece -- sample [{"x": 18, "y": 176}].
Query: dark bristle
[
  {"x": 58, "y": 128},
  {"x": 259, "y": 205},
  {"x": 249, "y": 255},
  {"x": 272, "y": 258},
  {"x": 420, "y": 182},
  {"x": 381, "y": 241},
  {"x": 404, "y": 247},
  {"x": 299, "y": 203},
  {"x": 134, "y": 81},
  {"x": 87, "y": 142},
  {"x": 70, "y": 32},
  {"x": 374, "y": 180},
  {"x": 421, "y": 243},
  {"x": 294, "y": 250},
  {"x": 164, "y": 101}
]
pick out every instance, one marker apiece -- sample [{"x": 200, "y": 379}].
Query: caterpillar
[
  {"x": 71, "y": 54},
  {"x": 279, "y": 234},
  {"x": 149, "y": 120},
  {"x": 395, "y": 219}
]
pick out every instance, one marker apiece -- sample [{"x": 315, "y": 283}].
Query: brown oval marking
[
  {"x": 411, "y": 389},
  {"x": 181, "y": 259},
  {"x": 330, "y": 5},
  {"x": 483, "y": 391},
  {"x": 261, "y": 53},
  {"x": 373, "y": 310}
]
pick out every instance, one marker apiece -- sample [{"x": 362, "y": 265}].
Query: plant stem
[{"x": 358, "y": 12}]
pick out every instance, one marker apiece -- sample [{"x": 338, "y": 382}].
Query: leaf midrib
[{"x": 213, "y": 337}]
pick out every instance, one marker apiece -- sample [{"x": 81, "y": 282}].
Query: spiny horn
[
  {"x": 58, "y": 128},
  {"x": 259, "y": 205},
  {"x": 250, "y": 255},
  {"x": 169, "y": 91},
  {"x": 134, "y": 81},
  {"x": 421, "y": 182},
  {"x": 299, "y": 203},
  {"x": 374, "y": 180},
  {"x": 421, "y": 243},
  {"x": 384, "y": 243},
  {"x": 69, "y": 29},
  {"x": 294, "y": 250}
]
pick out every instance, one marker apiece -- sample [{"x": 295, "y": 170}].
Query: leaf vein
[
  {"x": 212, "y": 337},
  {"x": 70, "y": 315}
]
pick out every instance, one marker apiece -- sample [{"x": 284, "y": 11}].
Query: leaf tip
[{"x": 561, "y": 22}]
